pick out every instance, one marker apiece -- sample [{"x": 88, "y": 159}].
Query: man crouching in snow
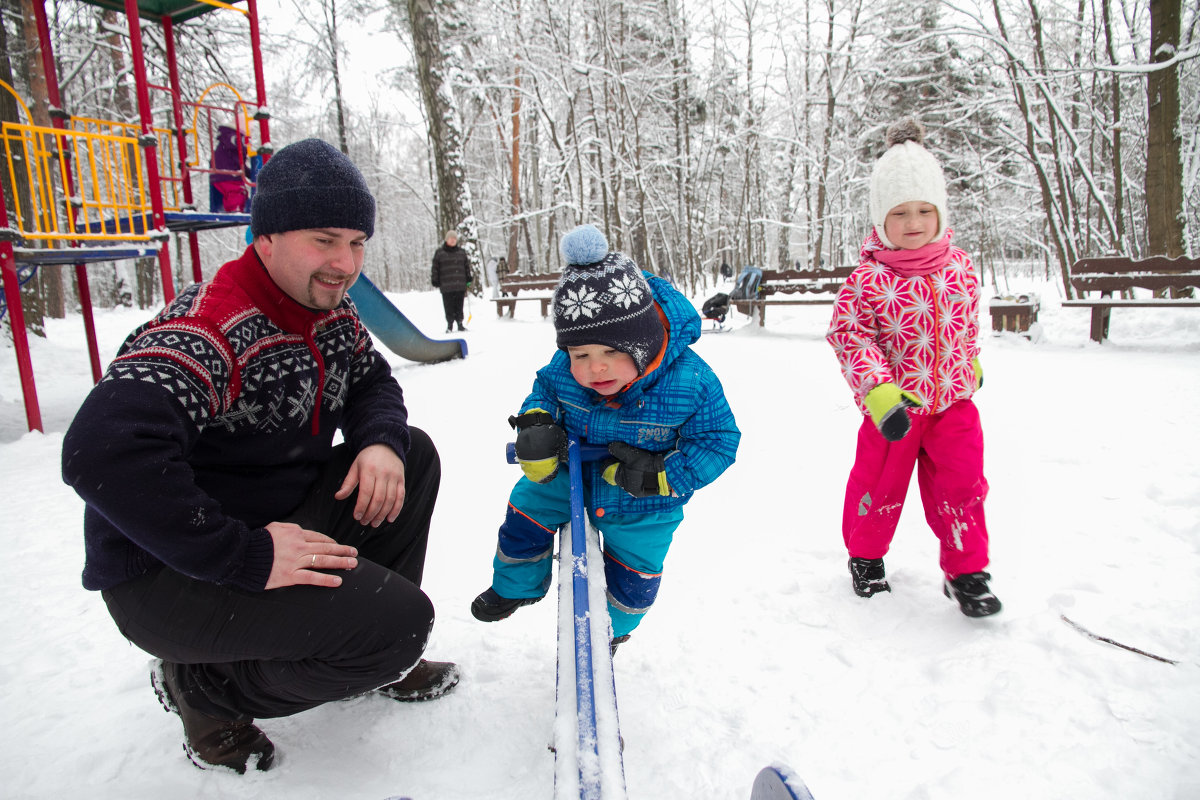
[{"x": 268, "y": 570}]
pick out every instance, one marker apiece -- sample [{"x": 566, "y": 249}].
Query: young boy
[
  {"x": 905, "y": 329},
  {"x": 624, "y": 377}
]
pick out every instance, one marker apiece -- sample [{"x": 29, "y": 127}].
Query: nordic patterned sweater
[
  {"x": 677, "y": 408},
  {"x": 919, "y": 332},
  {"x": 213, "y": 421}
]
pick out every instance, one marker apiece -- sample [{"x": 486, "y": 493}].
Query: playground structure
[{"x": 87, "y": 190}]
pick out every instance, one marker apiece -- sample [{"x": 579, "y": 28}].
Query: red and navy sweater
[{"x": 214, "y": 420}]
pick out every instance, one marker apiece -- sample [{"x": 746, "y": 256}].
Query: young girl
[{"x": 905, "y": 329}]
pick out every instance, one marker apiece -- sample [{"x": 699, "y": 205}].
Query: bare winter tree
[
  {"x": 1164, "y": 173},
  {"x": 434, "y": 56},
  {"x": 323, "y": 19}
]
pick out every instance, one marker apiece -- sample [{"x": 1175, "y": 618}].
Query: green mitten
[
  {"x": 541, "y": 444},
  {"x": 637, "y": 471},
  {"x": 978, "y": 372},
  {"x": 888, "y": 406}
]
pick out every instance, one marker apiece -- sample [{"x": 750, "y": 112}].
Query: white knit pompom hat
[{"x": 907, "y": 172}]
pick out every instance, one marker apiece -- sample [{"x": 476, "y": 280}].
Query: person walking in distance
[{"x": 452, "y": 275}]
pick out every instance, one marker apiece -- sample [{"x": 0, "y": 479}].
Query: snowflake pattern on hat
[
  {"x": 608, "y": 302},
  {"x": 626, "y": 291},
  {"x": 579, "y": 301}
]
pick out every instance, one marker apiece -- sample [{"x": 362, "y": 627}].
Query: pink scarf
[{"x": 912, "y": 263}]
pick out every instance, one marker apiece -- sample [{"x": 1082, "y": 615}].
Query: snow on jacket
[
  {"x": 214, "y": 420},
  {"x": 920, "y": 333},
  {"x": 451, "y": 270},
  {"x": 677, "y": 408}
]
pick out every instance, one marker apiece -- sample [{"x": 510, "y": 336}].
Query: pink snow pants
[{"x": 947, "y": 448}]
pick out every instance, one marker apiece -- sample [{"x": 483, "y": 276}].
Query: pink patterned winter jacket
[{"x": 920, "y": 333}]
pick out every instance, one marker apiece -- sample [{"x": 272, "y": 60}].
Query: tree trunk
[
  {"x": 455, "y": 209},
  {"x": 826, "y": 144},
  {"x": 1118, "y": 167},
  {"x": 33, "y": 299},
  {"x": 515, "y": 174},
  {"x": 338, "y": 102},
  {"x": 1164, "y": 171}
]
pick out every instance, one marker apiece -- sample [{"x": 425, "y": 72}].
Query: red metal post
[
  {"x": 150, "y": 143},
  {"x": 56, "y": 119},
  {"x": 16, "y": 319},
  {"x": 168, "y": 26},
  {"x": 89, "y": 320},
  {"x": 260, "y": 82},
  {"x": 43, "y": 29}
]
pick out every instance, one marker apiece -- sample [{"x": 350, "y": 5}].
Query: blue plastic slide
[{"x": 396, "y": 332}]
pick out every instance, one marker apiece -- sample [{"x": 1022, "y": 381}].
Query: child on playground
[
  {"x": 624, "y": 376},
  {"x": 905, "y": 329}
]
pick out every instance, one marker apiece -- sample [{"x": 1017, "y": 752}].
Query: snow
[{"x": 757, "y": 651}]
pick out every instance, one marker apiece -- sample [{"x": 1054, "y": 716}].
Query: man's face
[{"x": 314, "y": 266}]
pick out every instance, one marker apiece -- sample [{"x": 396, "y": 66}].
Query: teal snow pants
[{"x": 634, "y": 547}]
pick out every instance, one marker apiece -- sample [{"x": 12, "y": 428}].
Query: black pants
[
  {"x": 278, "y": 652},
  {"x": 452, "y": 304}
]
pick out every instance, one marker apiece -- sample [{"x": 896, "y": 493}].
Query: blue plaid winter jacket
[{"x": 677, "y": 408}]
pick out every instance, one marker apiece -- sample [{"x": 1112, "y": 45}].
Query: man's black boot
[
  {"x": 428, "y": 680},
  {"x": 208, "y": 741}
]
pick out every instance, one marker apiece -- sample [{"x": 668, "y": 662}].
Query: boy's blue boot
[{"x": 491, "y": 607}]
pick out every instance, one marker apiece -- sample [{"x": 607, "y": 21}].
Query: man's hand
[
  {"x": 379, "y": 475},
  {"x": 299, "y": 553}
]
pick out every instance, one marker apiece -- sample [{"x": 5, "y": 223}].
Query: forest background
[{"x": 695, "y": 132}]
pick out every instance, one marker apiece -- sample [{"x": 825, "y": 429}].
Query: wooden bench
[
  {"x": 794, "y": 288},
  {"x": 510, "y": 285},
  {"x": 1157, "y": 275}
]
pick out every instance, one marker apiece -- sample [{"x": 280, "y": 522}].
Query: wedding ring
[{"x": 314, "y": 561}]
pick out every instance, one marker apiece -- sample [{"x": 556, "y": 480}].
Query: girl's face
[
  {"x": 601, "y": 368},
  {"x": 911, "y": 225}
]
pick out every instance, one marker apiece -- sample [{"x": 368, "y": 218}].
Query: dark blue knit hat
[
  {"x": 311, "y": 184},
  {"x": 603, "y": 298}
]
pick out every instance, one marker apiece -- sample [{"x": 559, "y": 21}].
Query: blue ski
[{"x": 779, "y": 783}]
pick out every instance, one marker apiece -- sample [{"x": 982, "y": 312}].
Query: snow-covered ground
[{"x": 757, "y": 650}]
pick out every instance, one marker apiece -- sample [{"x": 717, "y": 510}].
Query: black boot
[
  {"x": 867, "y": 577},
  {"x": 426, "y": 681},
  {"x": 972, "y": 593},
  {"x": 208, "y": 741},
  {"x": 616, "y": 642},
  {"x": 491, "y": 607},
  {"x": 460, "y": 326}
]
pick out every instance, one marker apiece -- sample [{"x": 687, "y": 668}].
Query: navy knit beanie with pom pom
[
  {"x": 603, "y": 298},
  {"x": 311, "y": 184}
]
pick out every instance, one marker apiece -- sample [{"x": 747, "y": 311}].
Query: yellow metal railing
[
  {"x": 103, "y": 172},
  {"x": 166, "y": 149},
  {"x": 99, "y": 164}
]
